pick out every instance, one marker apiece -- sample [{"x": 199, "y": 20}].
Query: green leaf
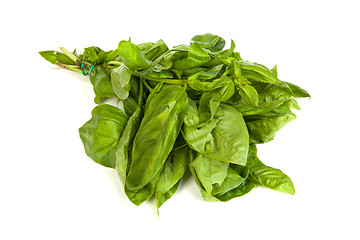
[
  {"x": 100, "y": 135},
  {"x": 120, "y": 81},
  {"x": 261, "y": 109},
  {"x": 249, "y": 94},
  {"x": 101, "y": 82},
  {"x": 199, "y": 138},
  {"x": 122, "y": 154},
  {"x": 210, "y": 41},
  {"x": 197, "y": 56},
  {"x": 245, "y": 187},
  {"x": 174, "y": 169},
  {"x": 156, "y": 50},
  {"x": 298, "y": 91},
  {"x": 224, "y": 138},
  {"x": 130, "y": 105},
  {"x": 263, "y": 129},
  {"x": 210, "y": 101},
  {"x": 157, "y": 134},
  {"x": 232, "y": 180},
  {"x": 191, "y": 118},
  {"x": 132, "y": 56},
  {"x": 231, "y": 138},
  {"x": 139, "y": 196},
  {"x": 210, "y": 171},
  {"x": 55, "y": 56},
  {"x": 272, "y": 178},
  {"x": 160, "y": 74},
  {"x": 50, "y": 56},
  {"x": 253, "y": 159}
]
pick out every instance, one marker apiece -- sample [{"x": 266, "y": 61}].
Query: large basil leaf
[
  {"x": 100, "y": 135},
  {"x": 156, "y": 135}
]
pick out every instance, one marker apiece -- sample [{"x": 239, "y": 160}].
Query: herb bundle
[{"x": 196, "y": 107}]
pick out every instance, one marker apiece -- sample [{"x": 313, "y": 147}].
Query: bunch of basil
[{"x": 193, "y": 106}]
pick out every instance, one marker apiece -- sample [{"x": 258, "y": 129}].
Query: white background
[{"x": 49, "y": 188}]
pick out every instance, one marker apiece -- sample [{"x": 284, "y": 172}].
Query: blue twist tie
[{"x": 83, "y": 69}]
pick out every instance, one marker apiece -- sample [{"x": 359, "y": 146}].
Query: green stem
[
  {"x": 147, "y": 86},
  {"x": 69, "y": 54},
  {"x": 70, "y": 67}
]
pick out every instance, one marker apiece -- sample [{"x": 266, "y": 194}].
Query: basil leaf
[
  {"x": 249, "y": 94},
  {"x": 272, "y": 178},
  {"x": 191, "y": 118},
  {"x": 55, "y": 56},
  {"x": 298, "y": 91},
  {"x": 210, "y": 41},
  {"x": 231, "y": 138},
  {"x": 51, "y": 56},
  {"x": 263, "y": 129},
  {"x": 157, "y": 134},
  {"x": 101, "y": 83},
  {"x": 120, "y": 81},
  {"x": 132, "y": 56},
  {"x": 130, "y": 105},
  {"x": 232, "y": 181},
  {"x": 174, "y": 169},
  {"x": 122, "y": 155},
  {"x": 140, "y": 195},
  {"x": 100, "y": 135},
  {"x": 245, "y": 187},
  {"x": 209, "y": 171},
  {"x": 199, "y": 137},
  {"x": 197, "y": 56},
  {"x": 156, "y": 50}
]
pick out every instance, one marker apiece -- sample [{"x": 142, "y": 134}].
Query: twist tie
[{"x": 89, "y": 72}]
